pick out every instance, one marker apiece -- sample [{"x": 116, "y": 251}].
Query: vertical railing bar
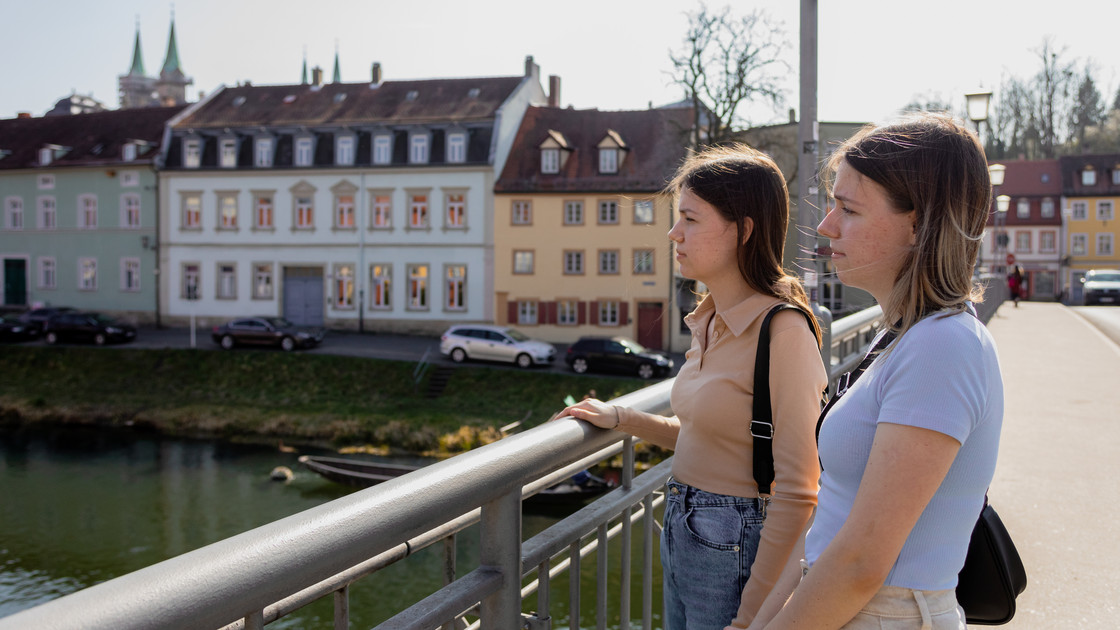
[
  {"x": 573, "y": 585},
  {"x": 544, "y": 593},
  {"x": 254, "y": 620},
  {"x": 342, "y": 608},
  {"x": 624, "y": 570},
  {"x": 601, "y": 587},
  {"x": 449, "y": 571},
  {"x": 647, "y": 563},
  {"x": 500, "y": 534},
  {"x": 628, "y": 462}
]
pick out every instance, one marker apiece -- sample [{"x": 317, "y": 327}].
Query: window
[
  {"x": 1079, "y": 244},
  {"x": 1116, "y": 176},
  {"x": 567, "y": 312},
  {"x": 608, "y": 261},
  {"x": 305, "y": 212},
  {"x": 380, "y": 285},
  {"x": 45, "y": 156},
  {"x": 1104, "y": 244},
  {"x": 87, "y": 212},
  {"x": 573, "y": 213},
  {"x": 191, "y": 281},
  {"x": 1048, "y": 208},
  {"x": 129, "y": 179},
  {"x": 608, "y": 313},
  {"x": 1104, "y": 211},
  {"x": 262, "y": 281},
  {"x": 344, "y": 286},
  {"x": 1023, "y": 208},
  {"x": 263, "y": 153},
  {"x": 1079, "y": 210},
  {"x": 522, "y": 261},
  {"x": 382, "y": 149},
  {"x": 303, "y": 154},
  {"x": 227, "y": 211},
  {"x": 527, "y": 313},
  {"x": 643, "y": 261},
  {"x": 46, "y": 182},
  {"x": 191, "y": 210},
  {"x": 550, "y": 161},
  {"x": 130, "y": 274},
  {"x": 643, "y": 212},
  {"x": 344, "y": 150},
  {"x": 456, "y": 210},
  {"x": 608, "y": 212},
  {"x": 418, "y": 287},
  {"x": 262, "y": 211},
  {"x": 128, "y": 151},
  {"x": 1048, "y": 242},
  {"x": 48, "y": 276},
  {"x": 48, "y": 215},
  {"x": 227, "y": 281},
  {"x": 13, "y": 213},
  {"x": 381, "y": 215},
  {"x": 1088, "y": 177},
  {"x": 573, "y": 262},
  {"x": 457, "y": 148},
  {"x": 228, "y": 148},
  {"x": 418, "y": 149},
  {"x": 418, "y": 211},
  {"x": 1022, "y": 242},
  {"x": 608, "y": 160},
  {"x": 456, "y": 288},
  {"x": 344, "y": 211},
  {"x": 522, "y": 212},
  {"x": 87, "y": 274},
  {"x": 192, "y": 153},
  {"x": 130, "y": 211}
]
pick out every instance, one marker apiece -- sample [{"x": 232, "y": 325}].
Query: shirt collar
[{"x": 738, "y": 318}]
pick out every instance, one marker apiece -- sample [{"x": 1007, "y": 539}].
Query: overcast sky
[{"x": 875, "y": 56}]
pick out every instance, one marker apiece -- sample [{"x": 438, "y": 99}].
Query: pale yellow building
[{"x": 1090, "y": 197}]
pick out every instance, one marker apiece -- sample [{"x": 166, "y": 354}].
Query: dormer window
[
  {"x": 608, "y": 160},
  {"x": 1088, "y": 177},
  {"x": 128, "y": 151},
  {"x": 344, "y": 150},
  {"x": 263, "y": 153},
  {"x": 610, "y": 152},
  {"x": 45, "y": 156},
  {"x": 412, "y": 95},
  {"x": 1115, "y": 173},
  {"x": 418, "y": 149},
  {"x": 303, "y": 151},
  {"x": 457, "y": 147},
  {"x": 382, "y": 149},
  {"x": 192, "y": 153},
  {"x": 550, "y": 161},
  {"x": 228, "y": 152}
]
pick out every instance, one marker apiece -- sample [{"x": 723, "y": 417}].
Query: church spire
[
  {"x": 303, "y": 76},
  {"x": 337, "y": 78},
  {"x": 137, "y": 68},
  {"x": 171, "y": 61}
]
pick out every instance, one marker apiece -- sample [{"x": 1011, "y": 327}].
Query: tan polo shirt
[{"x": 710, "y": 434}]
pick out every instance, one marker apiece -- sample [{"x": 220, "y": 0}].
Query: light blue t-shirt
[{"x": 942, "y": 375}]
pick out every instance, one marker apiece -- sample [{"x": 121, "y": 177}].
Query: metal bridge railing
[{"x": 260, "y": 576}]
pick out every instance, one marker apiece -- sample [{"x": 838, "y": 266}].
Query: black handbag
[{"x": 993, "y": 574}]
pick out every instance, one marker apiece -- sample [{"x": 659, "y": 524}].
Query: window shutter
[
  {"x": 623, "y": 307},
  {"x": 550, "y": 310},
  {"x": 512, "y": 312},
  {"x": 594, "y": 307},
  {"x": 581, "y": 312}
]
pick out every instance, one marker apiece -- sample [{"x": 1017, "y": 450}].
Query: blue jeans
[{"x": 707, "y": 547}]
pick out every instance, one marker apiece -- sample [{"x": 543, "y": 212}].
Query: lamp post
[
  {"x": 996, "y": 173},
  {"x": 1003, "y": 202},
  {"x": 977, "y": 103}
]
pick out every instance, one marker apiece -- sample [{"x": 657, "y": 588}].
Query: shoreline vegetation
[{"x": 350, "y": 404}]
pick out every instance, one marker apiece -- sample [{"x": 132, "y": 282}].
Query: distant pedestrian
[{"x": 1015, "y": 283}]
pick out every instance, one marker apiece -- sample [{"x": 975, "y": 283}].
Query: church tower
[
  {"x": 135, "y": 89},
  {"x": 172, "y": 83}
]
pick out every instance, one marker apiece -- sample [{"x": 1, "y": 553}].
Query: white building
[{"x": 365, "y": 206}]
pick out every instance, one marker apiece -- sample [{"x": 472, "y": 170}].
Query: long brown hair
[{"x": 744, "y": 183}]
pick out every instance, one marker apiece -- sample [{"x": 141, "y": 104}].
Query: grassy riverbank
[{"x": 295, "y": 397}]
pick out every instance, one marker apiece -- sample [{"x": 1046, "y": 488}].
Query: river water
[{"x": 82, "y": 506}]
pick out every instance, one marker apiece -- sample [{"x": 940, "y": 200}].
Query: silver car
[{"x": 494, "y": 343}]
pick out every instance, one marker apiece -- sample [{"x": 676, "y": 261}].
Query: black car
[
  {"x": 37, "y": 317},
  {"x": 12, "y": 329},
  {"x": 616, "y": 354},
  {"x": 267, "y": 331},
  {"x": 78, "y": 326}
]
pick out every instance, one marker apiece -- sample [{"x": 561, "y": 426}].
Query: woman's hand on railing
[{"x": 594, "y": 411}]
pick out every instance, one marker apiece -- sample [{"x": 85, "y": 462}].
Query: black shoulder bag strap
[
  {"x": 848, "y": 379},
  {"x": 762, "y": 422}
]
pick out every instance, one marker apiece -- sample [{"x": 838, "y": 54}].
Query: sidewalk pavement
[{"x": 1059, "y": 463}]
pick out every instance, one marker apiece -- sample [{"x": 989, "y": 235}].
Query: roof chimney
[
  {"x": 375, "y": 73},
  {"x": 792, "y": 115},
  {"x": 23, "y": 115},
  {"x": 317, "y": 76},
  {"x": 531, "y": 69},
  {"x": 553, "y": 91}
]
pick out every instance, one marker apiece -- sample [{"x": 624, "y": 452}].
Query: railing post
[
  {"x": 501, "y": 552},
  {"x": 342, "y": 608}
]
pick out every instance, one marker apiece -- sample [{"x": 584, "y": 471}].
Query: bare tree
[
  {"x": 1087, "y": 110},
  {"x": 727, "y": 62},
  {"x": 1053, "y": 82}
]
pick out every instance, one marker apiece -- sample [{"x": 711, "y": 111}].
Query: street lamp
[
  {"x": 977, "y": 103},
  {"x": 1003, "y": 202}
]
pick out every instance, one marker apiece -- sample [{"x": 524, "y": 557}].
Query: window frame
[
  {"x": 457, "y": 147},
  {"x": 418, "y": 148},
  {"x": 87, "y": 216},
  {"x": 87, "y": 273},
  {"x": 263, "y": 152},
  {"x": 13, "y": 213},
  {"x": 610, "y": 313},
  {"x": 186, "y": 212},
  {"x": 419, "y": 287},
  {"x": 455, "y": 211},
  {"x": 550, "y": 160},
  {"x": 608, "y": 212},
  {"x": 130, "y": 275},
  {"x": 575, "y": 263},
  {"x": 382, "y": 149},
  {"x": 1023, "y": 208},
  {"x": 343, "y": 287},
  {"x": 573, "y": 212},
  {"x": 345, "y": 211},
  {"x": 608, "y": 160},
  {"x": 263, "y": 271},
  {"x": 304, "y": 154},
  {"x": 46, "y": 273},
  {"x": 1052, "y": 246},
  {"x": 647, "y": 204},
  {"x": 567, "y": 312},
  {"x": 227, "y": 222},
  {"x": 380, "y": 209},
  {"x": 521, "y": 212},
  {"x": 528, "y": 312},
  {"x": 455, "y": 287},
  {"x": 345, "y": 149},
  {"x": 264, "y": 200},
  {"x": 225, "y": 280},
  {"x": 643, "y": 261},
  {"x": 1079, "y": 210},
  {"x": 131, "y": 211},
  {"x": 1105, "y": 244},
  {"x": 519, "y": 257},
  {"x": 419, "y": 209},
  {"x": 227, "y": 152},
  {"x": 1046, "y": 208},
  {"x": 46, "y": 212},
  {"x": 1077, "y": 239},
  {"x": 381, "y": 286},
  {"x": 1106, "y": 210},
  {"x": 608, "y": 262},
  {"x": 1024, "y": 240},
  {"x": 190, "y": 281},
  {"x": 192, "y": 152},
  {"x": 1088, "y": 176}
]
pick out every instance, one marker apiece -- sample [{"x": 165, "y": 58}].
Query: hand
[{"x": 594, "y": 411}]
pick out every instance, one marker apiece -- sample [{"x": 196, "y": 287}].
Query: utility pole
[{"x": 808, "y": 138}]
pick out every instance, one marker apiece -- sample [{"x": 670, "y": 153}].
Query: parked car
[
  {"x": 12, "y": 329},
  {"x": 267, "y": 331},
  {"x": 1102, "y": 286},
  {"x": 82, "y": 326},
  {"x": 37, "y": 317},
  {"x": 616, "y": 354},
  {"x": 495, "y": 343}
]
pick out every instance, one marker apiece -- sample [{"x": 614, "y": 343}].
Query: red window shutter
[
  {"x": 594, "y": 308},
  {"x": 512, "y": 313},
  {"x": 551, "y": 307},
  {"x": 581, "y": 312},
  {"x": 623, "y": 307}
]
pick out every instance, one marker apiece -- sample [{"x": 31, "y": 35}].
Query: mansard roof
[
  {"x": 1104, "y": 164},
  {"x": 656, "y": 141},
  {"x": 86, "y": 139},
  {"x": 430, "y": 101},
  {"x": 1030, "y": 178}
]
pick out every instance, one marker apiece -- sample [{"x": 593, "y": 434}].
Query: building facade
[
  {"x": 364, "y": 206},
  {"x": 1029, "y": 232},
  {"x": 79, "y": 211},
  {"x": 1090, "y": 194},
  {"x": 581, "y": 244}
]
